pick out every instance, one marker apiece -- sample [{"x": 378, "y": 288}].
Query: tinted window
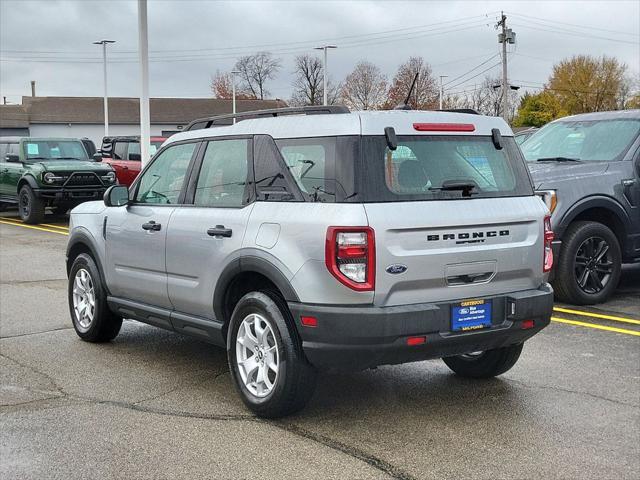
[
  {"x": 222, "y": 181},
  {"x": 162, "y": 182},
  {"x": 120, "y": 150},
  {"x": 427, "y": 167},
  {"x": 603, "y": 140},
  {"x": 39, "y": 150}
]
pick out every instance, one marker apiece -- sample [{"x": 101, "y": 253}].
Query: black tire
[
  {"x": 485, "y": 364},
  {"x": 30, "y": 206},
  {"x": 105, "y": 325},
  {"x": 296, "y": 378},
  {"x": 569, "y": 270}
]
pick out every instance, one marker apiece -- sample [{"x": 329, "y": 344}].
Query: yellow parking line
[
  {"x": 597, "y": 315},
  {"x": 596, "y": 326},
  {"x": 34, "y": 227},
  {"x": 18, "y": 221},
  {"x": 61, "y": 227}
]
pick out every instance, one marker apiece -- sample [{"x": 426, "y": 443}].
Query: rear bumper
[{"x": 356, "y": 338}]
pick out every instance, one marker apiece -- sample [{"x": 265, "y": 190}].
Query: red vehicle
[{"x": 123, "y": 154}]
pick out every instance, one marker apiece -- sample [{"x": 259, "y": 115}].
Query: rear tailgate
[{"x": 456, "y": 249}]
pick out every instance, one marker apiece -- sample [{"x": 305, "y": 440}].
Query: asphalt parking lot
[{"x": 153, "y": 404}]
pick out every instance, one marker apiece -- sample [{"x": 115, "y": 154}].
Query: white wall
[{"x": 94, "y": 132}]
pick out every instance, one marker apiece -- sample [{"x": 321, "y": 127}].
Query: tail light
[
  {"x": 350, "y": 256},
  {"x": 548, "y": 238}
]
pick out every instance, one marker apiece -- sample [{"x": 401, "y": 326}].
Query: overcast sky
[{"x": 51, "y": 41}]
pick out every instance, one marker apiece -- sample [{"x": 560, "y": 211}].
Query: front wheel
[
  {"x": 265, "y": 357},
  {"x": 589, "y": 266},
  {"x": 90, "y": 314},
  {"x": 30, "y": 206},
  {"x": 490, "y": 363}
]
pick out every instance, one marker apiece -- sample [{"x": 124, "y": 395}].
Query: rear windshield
[
  {"x": 364, "y": 169},
  {"x": 44, "y": 150},
  {"x": 598, "y": 140}
]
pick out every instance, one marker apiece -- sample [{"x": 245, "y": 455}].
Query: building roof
[
  {"x": 13, "y": 116},
  {"x": 122, "y": 110}
]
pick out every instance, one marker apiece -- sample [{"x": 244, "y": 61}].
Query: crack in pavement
[
  {"x": 18, "y": 335},
  {"x": 350, "y": 451},
  {"x": 567, "y": 390}
]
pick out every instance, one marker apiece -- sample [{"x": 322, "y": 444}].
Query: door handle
[
  {"x": 151, "y": 226},
  {"x": 219, "y": 231}
]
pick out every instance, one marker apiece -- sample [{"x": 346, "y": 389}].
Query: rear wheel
[
  {"x": 90, "y": 314},
  {"x": 487, "y": 364},
  {"x": 30, "y": 206},
  {"x": 589, "y": 266},
  {"x": 265, "y": 357}
]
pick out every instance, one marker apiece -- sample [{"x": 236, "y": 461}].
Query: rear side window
[
  {"x": 429, "y": 168},
  {"x": 120, "y": 150},
  {"x": 223, "y": 178}
]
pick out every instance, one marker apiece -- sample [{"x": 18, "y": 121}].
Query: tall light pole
[
  {"x": 233, "y": 91},
  {"x": 106, "y": 100},
  {"x": 143, "y": 48},
  {"x": 324, "y": 70},
  {"x": 441, "y": 90}
]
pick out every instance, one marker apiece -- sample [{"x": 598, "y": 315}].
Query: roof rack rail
[
  {"x": 209, "y": 122},
  {"x": 461, "y": 110}
]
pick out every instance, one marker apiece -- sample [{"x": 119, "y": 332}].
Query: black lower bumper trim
[{"x": 356, "y": 338}]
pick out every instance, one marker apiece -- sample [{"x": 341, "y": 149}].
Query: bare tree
[
  {"x": 365, "y": 88},
  {"x": 307, "y": 86},
  {"x": 425, "y": 91},
  {"x": 255, "y": 71},
  {"x": 485, "y": 98}
]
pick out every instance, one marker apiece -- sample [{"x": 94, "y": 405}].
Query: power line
[
  {"x": 588, "y": 27},
  {"x": 575, "y": 34},
  {"x": 474, "y": 68},
  {"x": 477, "y": 75}
]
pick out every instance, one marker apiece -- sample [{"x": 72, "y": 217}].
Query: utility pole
[
  {"x": 506, "y": 36},
  {"x": 441, "y": 90},
  {"x": 104, "y": 68},
  {"x": 143, "y": 48},
  {"x": 324, "y": 71},
  {"x": 233, "y": 90}
]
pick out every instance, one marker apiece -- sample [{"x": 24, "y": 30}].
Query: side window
[
  {"x": 3, "y": 151},
  {"x": 162, "y": 182},
  {"x": 134, "y": 152},
  {"x": 13, "y": 148},
  {"x": 271, "y": 174},
  {"x": 223, "y": 178},
  {"x": 120, "y": 151}
]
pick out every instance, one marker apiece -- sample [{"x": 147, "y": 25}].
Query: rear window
[{"x": 441, "y": 168}]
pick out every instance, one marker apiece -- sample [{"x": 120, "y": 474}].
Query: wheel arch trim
[{"x": 587, "y": 203}]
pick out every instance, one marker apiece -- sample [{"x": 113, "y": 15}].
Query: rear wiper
[
  {"x": 452, "y": 185},
  {"x": 558, "y": 159}
]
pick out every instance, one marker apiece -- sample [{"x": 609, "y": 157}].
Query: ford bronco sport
[
  {"x": 588, "y": 167},
  {"x": 36, "y": 173},
  {"x": 323, "y": 240}
]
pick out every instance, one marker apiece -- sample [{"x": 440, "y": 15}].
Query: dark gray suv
[{"x": 589, "y": 167}]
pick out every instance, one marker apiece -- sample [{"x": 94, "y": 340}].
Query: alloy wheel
[
  {"x": 593, "y": 265},
  {"x": 257, "y": 355},
  {"x": 84, "y": 300}
]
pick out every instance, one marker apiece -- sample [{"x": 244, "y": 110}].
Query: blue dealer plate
[{"x": 471, "y": 315}]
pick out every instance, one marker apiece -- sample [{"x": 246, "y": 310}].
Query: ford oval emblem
[{"x": 396, "y": 269}]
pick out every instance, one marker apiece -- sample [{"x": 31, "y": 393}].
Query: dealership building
[{"x": 84, "y": 117}]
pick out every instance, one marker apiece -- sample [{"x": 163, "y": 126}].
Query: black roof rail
[
  {"x": 209, "y": 122},
  {"x": 461, "y": 110}
]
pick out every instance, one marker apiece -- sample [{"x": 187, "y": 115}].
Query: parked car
[
  {"x": 335, "y": 241},
  {"x": 523, "y": 135},
  {"x": 36, "y": 173},
  {"x": 123, "y": 154},
  {"x": 590, "y": 167}
]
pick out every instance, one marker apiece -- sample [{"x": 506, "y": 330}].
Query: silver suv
[{"x": 318, "y": 239}]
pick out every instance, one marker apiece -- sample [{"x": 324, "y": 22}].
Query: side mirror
[
  {"x": 116, "y": 196},
  {"x": 97, "y": 157},
  {"x": 12, "y": 158}
]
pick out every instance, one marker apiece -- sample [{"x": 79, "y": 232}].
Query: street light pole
[
  {"x": 106, "y": 100},
  {"x": 441, "y": 90},
  {"x": 233, "y": 90},
  {"x": 145, "y": 117},
  {"x": 324, "y": 71}
]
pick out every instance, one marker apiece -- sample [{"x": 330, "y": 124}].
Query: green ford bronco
[{"x": 36, "y": 173}]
